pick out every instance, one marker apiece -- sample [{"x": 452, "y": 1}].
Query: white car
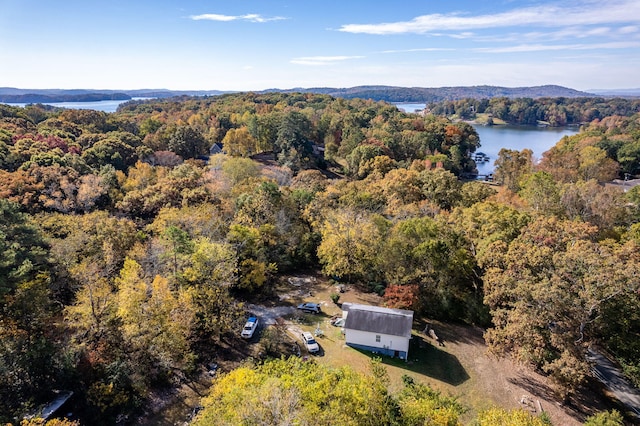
[
  {"x": 250, "y": 327},
  {"x": 310, "y": 342}
]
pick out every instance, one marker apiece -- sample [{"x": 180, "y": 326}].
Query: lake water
[
  {"x": 494, "y": 138},
  {"x": 106, "y": 106},
  {"x": 537, "y": 139},
  {"x": 410, "y": 107}
]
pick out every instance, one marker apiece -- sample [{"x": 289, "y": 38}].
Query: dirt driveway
[{"x": 269, "y": 314}]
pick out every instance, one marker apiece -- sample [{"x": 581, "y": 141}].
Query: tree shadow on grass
[
  {"x": 450, "y": 332},
  {"x": 428, "y": 360},
  {"x": 585, "y": 401}
]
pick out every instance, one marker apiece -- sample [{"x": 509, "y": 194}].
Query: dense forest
[
  {"x": 129, "y": 246},
  {"x": 439, "y": 94},
  {"x": 549, "y": 111}
]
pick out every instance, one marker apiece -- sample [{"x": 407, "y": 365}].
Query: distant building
[
  {"x": 380, "y": 330},
  {"x": 216, "y": 148},
  {"x": 624, "y": 185}
]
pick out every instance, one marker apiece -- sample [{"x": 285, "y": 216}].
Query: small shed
[{"x": 376, "y": 329}]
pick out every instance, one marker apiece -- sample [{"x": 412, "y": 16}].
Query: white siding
[{"x": 366, "y": 338}]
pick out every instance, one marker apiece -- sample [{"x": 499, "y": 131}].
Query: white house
[{"x": 380, "y": 330}]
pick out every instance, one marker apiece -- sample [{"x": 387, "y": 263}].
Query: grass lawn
[{"x": 483, "y": 118}]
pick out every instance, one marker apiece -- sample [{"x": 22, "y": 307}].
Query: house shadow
[{"x": 428, "y": 360}]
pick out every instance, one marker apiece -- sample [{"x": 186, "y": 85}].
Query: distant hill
[
  {"x": 32, "y": 98},
  {"x": 377, "y": 93},
  {"x": 14, "y": 95},
  {"x": 427, "y": 95}
]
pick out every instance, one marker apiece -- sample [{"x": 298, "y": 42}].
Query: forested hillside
[
  {"x": 129, "y": 250},
  {"x": 376, "y": 93},
  {"x": 552, "y": 111},
  {"x": 439, "y": 94}
]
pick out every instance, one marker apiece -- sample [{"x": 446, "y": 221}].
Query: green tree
[
  {"x": 511, "y": 166},
  {"x": 114, "y": 149},
  {"x": 23, "y": 251},
  {"x": 187, "y": 142},
  {"x": 440, "y": 187},
  {"x": 420, "y": 405},
  {"x": 429, "y": 254},
  {"x": 240, "y": 169},
  {"x": 541, "y": 192},
  {"x": 293, "y": 144},
  {"x": 211, "y": 263},
  {"x": 475, "y": 192},
  {"x": 179, "y": 244}
]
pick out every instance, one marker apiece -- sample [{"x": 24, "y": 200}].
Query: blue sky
[{"x": 255, "y": 45}]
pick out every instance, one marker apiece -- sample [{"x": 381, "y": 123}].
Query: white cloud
[
  {"x": 548, "y": 47},
  {"x": 586, "y": 12},
  {"x": 251, "y": 17},
  {"x": 423, "y": 49},
  {"x": 322, "y": 60},
  {"x": 629, "y": 29}
]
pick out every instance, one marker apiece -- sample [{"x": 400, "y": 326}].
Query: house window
[{"x": 377, "y": 338}]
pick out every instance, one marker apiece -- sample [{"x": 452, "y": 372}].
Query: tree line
[{"x": 552, "y": 111}]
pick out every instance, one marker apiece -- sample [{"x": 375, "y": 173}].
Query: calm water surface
[
  {"x": 106, "y": 106},
  {"x": 537, "y": 139},
  {"x": 494, "y": 138}
]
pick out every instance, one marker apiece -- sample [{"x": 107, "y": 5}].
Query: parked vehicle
[
  {"x": 212, "y": 368},
  {"x": 250, "y": 328},
  {"x": 313, "y": 308},
  {"x": 310, "y": 342}
]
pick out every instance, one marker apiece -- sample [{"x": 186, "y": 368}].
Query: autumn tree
[
  {"x": 156, "y": 322},
  {"x": 500, "y": 416},
  {"x": 239, "y": 142},
  {"x": 350, "y": 245},
  {"x": 292, "y": 391},
  {"x": 486, "y": 223},
  {"x": 604, "y": 206},
  {"x": 548, "y": 291},
  {"x": 511, "y": 166}
]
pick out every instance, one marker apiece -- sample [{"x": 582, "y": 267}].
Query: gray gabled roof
[{"x": 374, "y": 319}]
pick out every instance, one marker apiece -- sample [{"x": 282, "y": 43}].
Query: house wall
[{"x": 367, "y": 340}]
